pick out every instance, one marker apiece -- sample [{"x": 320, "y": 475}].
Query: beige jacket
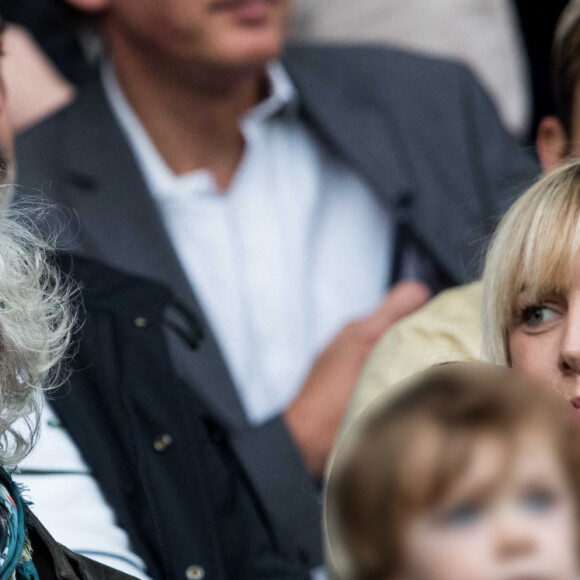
[{"x": 446, "y": 329}]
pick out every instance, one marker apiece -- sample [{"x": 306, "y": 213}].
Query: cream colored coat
[{"x": 446, "y": 329}]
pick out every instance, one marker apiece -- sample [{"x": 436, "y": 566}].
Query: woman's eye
[
  {"x": 536, "y": 314},
  {"x": 463, "y": 515},
  {"x": 539, "y": 501}
]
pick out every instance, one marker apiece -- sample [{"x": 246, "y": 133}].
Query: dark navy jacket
[{"x": 162, "y": 462}]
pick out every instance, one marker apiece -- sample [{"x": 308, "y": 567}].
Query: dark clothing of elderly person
[
  {"x": 28, "y": 551},
  {"x": 162, "y": 462}
]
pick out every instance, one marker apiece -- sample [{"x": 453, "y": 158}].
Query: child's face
[{"x": 522, "y": 528}]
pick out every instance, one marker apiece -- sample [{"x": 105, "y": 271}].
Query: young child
[{"x": 472, "y": 473}]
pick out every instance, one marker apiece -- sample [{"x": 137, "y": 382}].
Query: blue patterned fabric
[{"x": 15, "y": 552}]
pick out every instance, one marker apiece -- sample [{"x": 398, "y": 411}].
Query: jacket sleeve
[
  {"x": 281, "y": 479},
  {"x": 262, "y": 553}
]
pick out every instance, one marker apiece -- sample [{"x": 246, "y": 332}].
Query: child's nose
[{"x": 513, "y": 536}]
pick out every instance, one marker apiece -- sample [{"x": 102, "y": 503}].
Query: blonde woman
[
  {"x": 531, "y": 292},
  {"x": 448, "y": 328},
  {"x": 531, "y": 289},
  {"x": 531, "y": 286}
]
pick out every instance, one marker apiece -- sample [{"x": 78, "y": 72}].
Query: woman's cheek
[
  {"x": 527, "y": 354},
  {"x": 536, "y": 355}
]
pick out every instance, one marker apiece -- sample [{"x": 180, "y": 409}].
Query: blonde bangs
[
  {"x": 532, "y": 251},
  {"x": 547, "y": 248}
]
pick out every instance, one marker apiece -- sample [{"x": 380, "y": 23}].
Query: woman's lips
[{"x": 575, "y": 401}]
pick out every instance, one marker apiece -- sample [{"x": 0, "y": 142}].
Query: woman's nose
[{"x": 569, "y": 359}]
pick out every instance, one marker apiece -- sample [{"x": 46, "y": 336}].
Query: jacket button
[
  {"x": 162, "y": 442},
  {"x": 140, "y": 322},
  {"x": 195, "y": 573}
]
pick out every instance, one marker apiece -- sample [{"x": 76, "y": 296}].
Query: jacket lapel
[
  {"x": 121, "y": 225},
  {"x": 369, "y": 139},
  {"x": 111, "y": 198},
  {"x": 357, "y": 130}
]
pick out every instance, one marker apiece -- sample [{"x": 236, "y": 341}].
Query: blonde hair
[
  {"x": 532, "y": 250},
  {"x": 36, "y": 321}
]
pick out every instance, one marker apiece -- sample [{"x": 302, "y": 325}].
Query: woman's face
[{"x": 545, "y": 343}]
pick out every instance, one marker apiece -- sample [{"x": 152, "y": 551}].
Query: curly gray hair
[{"x": 36, "y": 321}]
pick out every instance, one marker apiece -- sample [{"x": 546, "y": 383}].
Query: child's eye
[
  {"x": 463, "y": 515},
  {"x": 537, "y": 314},
  {"x": 539, "y": 501}
]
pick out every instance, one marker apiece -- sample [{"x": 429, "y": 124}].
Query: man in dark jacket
[
  {"x": 162, "y": 462},
  {"x": 280, "y": 195}
]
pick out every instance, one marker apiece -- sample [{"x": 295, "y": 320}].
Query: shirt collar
[
  {"x": 160, "y": 178},
  {"x": 283, "y": 95}
]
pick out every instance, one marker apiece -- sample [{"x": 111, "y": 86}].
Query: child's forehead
[
  {"x": 436, "y": 459},
  {"x": 437, "y": 463},
  {"x": 536, "y": 455}
]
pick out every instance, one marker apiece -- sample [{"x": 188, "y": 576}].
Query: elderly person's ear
[{"x": 551, "y": 143}]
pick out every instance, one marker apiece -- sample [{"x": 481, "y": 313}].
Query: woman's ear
[
  {"x": 551, "y": 143},
  {"x": 89, "y": 6}
]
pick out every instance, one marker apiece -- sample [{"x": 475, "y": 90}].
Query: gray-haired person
[
  {"x": 172, "y": 499},
  {"x": 36, "y": 321}
]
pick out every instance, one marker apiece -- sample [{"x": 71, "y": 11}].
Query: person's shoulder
[
  {"x": 55, "y": 562},
  {"x": 446, "y": 329},
  {"x": 39, "y": 151},
  {"x": 49, "y": 132},
  {"x": 47, "y": 129},
  {"x": 99, "y": 285},
  {"x": 388, "y": 62}
]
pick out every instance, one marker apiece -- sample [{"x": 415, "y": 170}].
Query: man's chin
[{"x": 244, "y": 49}]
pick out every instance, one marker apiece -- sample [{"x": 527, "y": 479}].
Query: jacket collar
[
  {"x": 102, "y": 164},
  {"x": 106, "y": 186},
  {"x": 364, "y": 137}
]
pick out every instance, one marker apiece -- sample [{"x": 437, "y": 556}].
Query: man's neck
[{"x": 192, "y": 117}]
